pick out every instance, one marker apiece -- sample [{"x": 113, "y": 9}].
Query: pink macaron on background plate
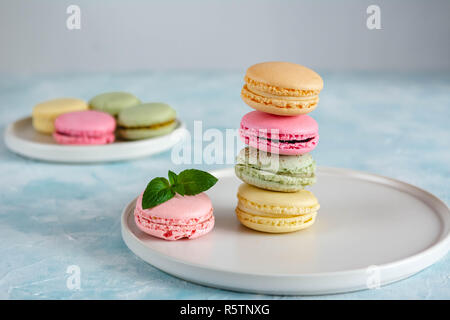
[{"x": 85, "y": 127}]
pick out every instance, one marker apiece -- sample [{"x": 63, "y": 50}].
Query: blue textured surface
[{"x": 56, "y": 215}]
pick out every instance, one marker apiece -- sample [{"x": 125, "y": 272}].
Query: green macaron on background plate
[
  {"x": 113, "y": 102},
  {"x": 146, "y": 121}
]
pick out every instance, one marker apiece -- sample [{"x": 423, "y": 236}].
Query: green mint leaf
[
  {"x": 158, "y": 191},
  {"x": 172, "y": 177},
  {"x": 195, "y": 181},
  {"x": 179, "y": 188},
  {"x": 188, "y": 182}
]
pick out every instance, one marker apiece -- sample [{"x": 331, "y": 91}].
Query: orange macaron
[{"x": 281, "y": 88}]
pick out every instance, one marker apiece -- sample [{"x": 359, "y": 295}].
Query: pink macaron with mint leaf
[
  {"x": 180, "y": 217},
  {"x": 85, "y": 128},
  {"x": 292, "y": 135},
  {"x": 176, "y": 208}
]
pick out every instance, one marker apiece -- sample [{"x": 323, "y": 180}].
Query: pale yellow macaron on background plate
[
  {"x": 281, "y": 88},
  {"x": 45, "y": 113},
  {"x": 275, "y": 212}
]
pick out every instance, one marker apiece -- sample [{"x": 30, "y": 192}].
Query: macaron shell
[
  {"x": 281, "y": 88},
  {"x": 147, "y": 114},
  {"x": 175, "y": 232},
  {"x": 113, "y": 102},
  {"x": 84, "y": 128},
  {"x": 275, "y": 163},
  {"x": 43, "y": 125},
  {"x": 271, "y": 181},
  {"x": 180, "y": 217},
  {"x": 256, "y": 125},
  {"x": 84, "y": 140},
  {"x": 85, "y": 123},
  {"x": 275, "y": 225},
  {"x": 264, "y": 202},
  {"x": 288, "y": 128},
  {"x": 179, "y": 208},
  {"x": 59, "y": 106},
  {"x": 282, "y": 148},
  {"x": 275, "y": 212},
  {"x": 275, "y": 172},
  {"x": 285, "y": 75},
  {"x": 45, "y": 113}
]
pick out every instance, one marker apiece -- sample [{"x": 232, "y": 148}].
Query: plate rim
[{"x": 438, "y": 249}]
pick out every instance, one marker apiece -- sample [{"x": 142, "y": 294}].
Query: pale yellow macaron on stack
[
  {"x": 272, "y": 198},
  {"x": 275, "y": 212}
]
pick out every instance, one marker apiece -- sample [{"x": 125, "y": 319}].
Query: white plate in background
[{"x": 21, "y": 138}]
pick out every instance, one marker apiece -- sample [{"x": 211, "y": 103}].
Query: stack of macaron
[
  {"x": 276, "y": 165},
  {"x": 73, "y": 121}
]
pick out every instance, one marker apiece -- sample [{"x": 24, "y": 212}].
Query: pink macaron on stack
[{"x": 286, "y": 135}]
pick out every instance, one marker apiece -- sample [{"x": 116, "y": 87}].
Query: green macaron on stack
[{"x": 275, "y": 172}]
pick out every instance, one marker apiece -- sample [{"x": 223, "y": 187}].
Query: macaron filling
[
  {"x": 163, "y": 221},
  {"x": 153, "y": 126},
  {"x": 83, "y": 140},
  {"x": 275, "y": 181},
  {"x": 280, "y": 101},
  {"x": 83, "y": 134},
  {"x": 263, "y": 209},
  {"x": 259, "y": 139},
  {"x": 255, "y": 86},
  {"x": 276, "y": 220},
  {"x": 307, "y": 172},
  {"x": 274, "y": 135},
  {"x": 288, "y": 141}
]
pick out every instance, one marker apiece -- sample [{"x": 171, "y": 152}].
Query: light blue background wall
[{"x": 135, "y": 35}]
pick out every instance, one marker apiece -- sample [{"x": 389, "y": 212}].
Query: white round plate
[
  {"x": 369, "y": 230},
  {"x": 21, "y": 138}
]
